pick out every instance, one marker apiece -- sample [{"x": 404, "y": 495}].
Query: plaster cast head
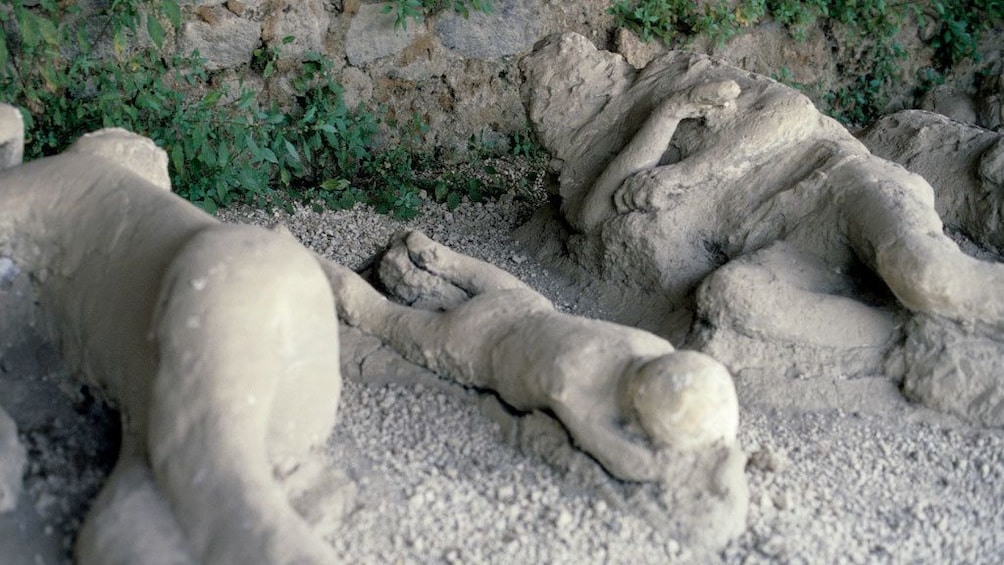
[
  {"x": 684, "y": 400},
  {"x": 138, "y": 154}
]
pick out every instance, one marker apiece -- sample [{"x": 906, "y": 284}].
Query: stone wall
[{"x": 460, "y": 74}]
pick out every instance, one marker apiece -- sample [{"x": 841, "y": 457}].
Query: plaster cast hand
[
  {"x": 699, "y": 101},
  {"x": 656, "y": 189},
  {"x": 640, "y": 193}
]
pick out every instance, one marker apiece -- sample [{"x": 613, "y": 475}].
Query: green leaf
[
  {"x": 155, "y": 30},
  {"x": 48, "y": 72},
  {"x": 4, "y": 54},
  {"x": 223, "y": 154},
  {"x": 212, "y": 98},
  {"x": 207, "y": 155},
  {"x": 172, "y": 11},
  {"x": 28, "y": 24},
  {"x": 178, "y": 158},
  {"x": 208, "y": 205},
  {"x": 221, "y": 190},
  {"x": 269, "y": 156},
  {"x": 47, "y": 29},
  {"x": 291, "y": 151},
  {"x": 119, "y": 42},
  {"x": 335, "y": 184}
]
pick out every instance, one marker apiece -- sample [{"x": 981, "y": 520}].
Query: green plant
[
  {"x": 524, "y": 145},
  {"x": 798, "y": 16},
  {"x": 674, "y": 21},
  {"x": 224, "y": 146},
  {"x": 416, "y": 10},
  {"x": 960, "y": 24}
]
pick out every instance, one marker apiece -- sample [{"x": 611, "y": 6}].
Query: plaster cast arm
[{"x": 647, "y": 147}]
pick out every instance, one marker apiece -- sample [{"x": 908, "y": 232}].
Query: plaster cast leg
[
  {"x": 401, "y": 327},
  {"x": 894, "y": 226},
  {"x": 248, "y": 378},
  {"x": 757, "y": 294}
]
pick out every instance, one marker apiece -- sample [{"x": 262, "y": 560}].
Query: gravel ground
[{"x": 839, "y": 471}]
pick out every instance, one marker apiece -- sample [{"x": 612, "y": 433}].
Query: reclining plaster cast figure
[
  {"x": 692, "y": 172},
  {"x": 627, "y": 397},
  {"x": 218, "y": 343}
]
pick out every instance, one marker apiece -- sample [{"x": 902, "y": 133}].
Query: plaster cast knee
[
  {"x": 248, "y": 378},
  {"x": 780, "y": 292}
]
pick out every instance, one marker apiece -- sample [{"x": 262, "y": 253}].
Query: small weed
[
  {"x": 416, "y": 10},
  {"x": 674, "y": 21}
]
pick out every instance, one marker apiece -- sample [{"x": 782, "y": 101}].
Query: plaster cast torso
[{"x": 585, "y": 361}]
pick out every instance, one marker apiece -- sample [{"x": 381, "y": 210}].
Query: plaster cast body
[
  {"x": 218, "y": 343},
  {"x": 695, "y": 175},
  {"x": 626, "y": 396}
]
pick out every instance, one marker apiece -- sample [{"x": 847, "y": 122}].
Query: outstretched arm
[
  {"x": 621, "y": 456},
  {"x": 647, "y": 147}
]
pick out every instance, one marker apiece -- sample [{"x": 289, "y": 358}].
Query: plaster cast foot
[
  {"x": 402, "y": 275},
  {"x": 460, "y": 271},
  {"x": 355, "y": 300}
]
